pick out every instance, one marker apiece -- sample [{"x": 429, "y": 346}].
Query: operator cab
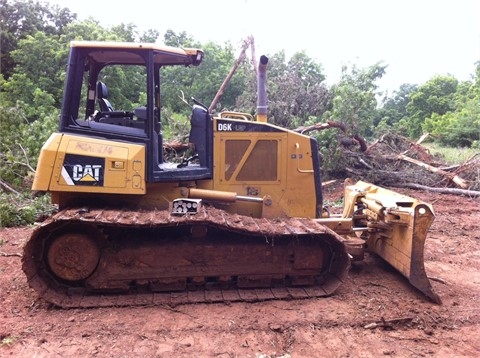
[{"x": 113, "y": 91}]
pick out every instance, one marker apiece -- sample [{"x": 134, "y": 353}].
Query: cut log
[
  {"x": 455, "y": 178},
  {"x": 455, "y": 191},
  {"x": 321, "y": 126}
]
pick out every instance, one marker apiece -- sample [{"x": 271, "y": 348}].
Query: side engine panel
[
  {"x": 70, "y": 163},
  {"x": 260, "y": 159}
]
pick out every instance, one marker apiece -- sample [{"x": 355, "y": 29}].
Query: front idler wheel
[{"x": 73, "y": 256}]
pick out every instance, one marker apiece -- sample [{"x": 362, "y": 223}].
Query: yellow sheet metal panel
[
  {"x": 46, "y": 162},
  {"x": 162, "y": 54},
  {"x": 99, "y": 166},
  {"x": 299, "y": 199},
  {"x": 257, "y": 159}
]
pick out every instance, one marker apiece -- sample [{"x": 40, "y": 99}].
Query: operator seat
[
  {"x": 102, "y": 95},
  {"x": 199, "y": 123}
]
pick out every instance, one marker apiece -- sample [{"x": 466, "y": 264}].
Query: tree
[
  {"x": 129, "y": 32},
  {"x": 354, "y": 105},
  {"x": 19, "y": 19},
  {"x": 171, "y": 38},
  {"x": 300, "y": 92},
  {"x": 295, "y": 90},
  {"x": 354, "y": 101},
  {"x": 201, "y": 82},
  {"x": 151, "y": 35},
  {"x": 40, "y": 60},
  {"x": 457, "y": 129},
  {"x": 459, "y": 126},
  {"x": 436, "y": 96},
  {"x": 393, "y": 108},
  {"x": 276, "y": 69}
]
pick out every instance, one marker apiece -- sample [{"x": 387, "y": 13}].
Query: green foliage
[
  {"x": 21, "y": 209},
  {"x": 201, "y": 82},
  {"x": 175, "y": 126},
  {"x": 33, "y": 135},
  {"x": 171, "y": 38},
  {"x": 332, "y": 158},
  {"x": 126, "y": 86},
  {"x": 437, "y": 96},
  {"x": 129, "y": 32},
  {"x": 28, "y": 115},
  {"x": 443, "y": 107},
  {"x": 460, "y": 128},
  {"x": 295, "y": 90},
  {"x": 298, "y": 93},
  {"x": 88, "y": 30},
  {"x": 393, "y": 108},
  {"x": 354, "y": 101},
  {"x": 20, "y": 19},
  {"x": 354, "y": 105},
  {"x": 39, "y": 75},
  {"x": 11, "y": 171},
  {"x": 21, "y": 143},
  {"x": 452, "y": 155}
]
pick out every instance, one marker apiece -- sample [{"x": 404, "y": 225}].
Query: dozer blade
[{"x": 396, "y": 229}]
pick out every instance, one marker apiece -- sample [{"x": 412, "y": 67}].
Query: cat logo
[
  {"x": 86, "y": 173},
  {"x": 82, "y": 170}
]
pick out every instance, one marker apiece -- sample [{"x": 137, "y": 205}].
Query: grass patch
[{"x": 451, "y": 155}]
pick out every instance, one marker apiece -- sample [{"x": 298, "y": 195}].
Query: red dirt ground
[{"x": 375, "y": 313}]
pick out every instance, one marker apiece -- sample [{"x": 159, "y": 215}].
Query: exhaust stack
[{"x": 262, "y": 89}]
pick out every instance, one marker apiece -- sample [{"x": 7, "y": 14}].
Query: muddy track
[{"x": 40, "y": 278}]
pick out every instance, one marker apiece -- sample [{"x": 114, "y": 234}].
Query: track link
[{"x": 37, "y": 265}]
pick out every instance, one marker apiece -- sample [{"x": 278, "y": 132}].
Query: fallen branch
[
  {"x": 326, "y": 183},
  {"x": 361, "y": 141},
  {"x": 374, "y": 144},
  {"x": 176, "y": 146},
  {"x": 8, "y": 187},
  {"x": 399, "y": 144},
  {"x": 363, "y": 162},
  {"x": 388, "y": 323},
  {"x": 450, "y": 168},
  {"x": 321, "y": 126},
  {"x": 346, "y": 141},
  {"x": 469, "y": 163},
  {"x": 438, "y": 279},
  {"x": 455, "y": 191},
  {"x": 455, "y": 178},
  {"x": 4, "y": 254},
  {"x": 422, "y": 138}
]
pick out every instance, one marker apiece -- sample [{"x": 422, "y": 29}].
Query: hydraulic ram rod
[{"x": 225, "y": 196}]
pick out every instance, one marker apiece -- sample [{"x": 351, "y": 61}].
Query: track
[{"x": 108, "y": 257}]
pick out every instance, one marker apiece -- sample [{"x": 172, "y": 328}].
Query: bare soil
[{"x": 375, "y": 313}]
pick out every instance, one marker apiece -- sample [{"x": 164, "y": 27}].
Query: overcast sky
[{"x": 417, "y": 39}]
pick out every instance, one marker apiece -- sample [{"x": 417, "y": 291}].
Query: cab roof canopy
[{"x": 124, "y": 52}]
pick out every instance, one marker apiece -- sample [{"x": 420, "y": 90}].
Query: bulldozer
[{"x": 241, "y": 219}]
